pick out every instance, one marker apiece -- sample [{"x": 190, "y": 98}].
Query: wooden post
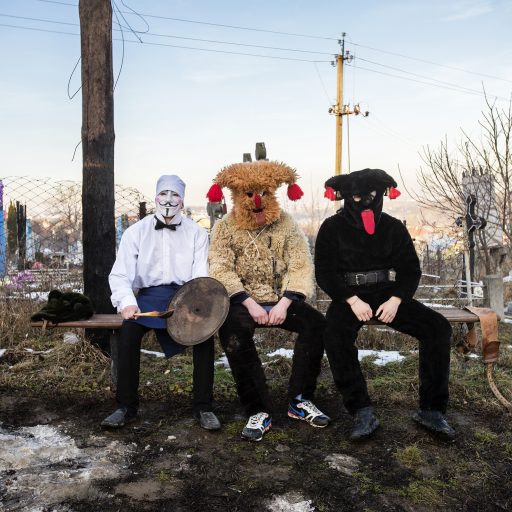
[{"x": 99, "y": 236}]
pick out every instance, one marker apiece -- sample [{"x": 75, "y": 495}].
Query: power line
[
  {"x": 432, "y": 63},
  {"x": 254, "y": 29},
  {"x": 152, "y": 43},
  {"x": 236, "y": 27},
  {"x": 431, "y": 84},
  {"x": 172, "y": 36},
  {"x": 419, "y": 76}
]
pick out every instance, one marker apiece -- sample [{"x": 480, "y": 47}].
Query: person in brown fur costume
[{"x": 259, "y": 253}]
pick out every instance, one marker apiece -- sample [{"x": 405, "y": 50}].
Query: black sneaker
[
  {"x": 207, "y": 420},
  {"x": 365, "y": 423},
  {"x": 119, "y": 418},
  {"x": 435, "y": 422},
  {"x": 257, "y": 426},
  {"x": 306, "y": 410}
]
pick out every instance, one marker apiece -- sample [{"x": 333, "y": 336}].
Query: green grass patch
[
  {"x": 428, "y": 493},
  {"x": 484, "y": 436},
  {"x": 410, "y": 456}
]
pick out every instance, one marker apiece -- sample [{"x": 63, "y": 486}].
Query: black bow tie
[{"x": 162, "y": 225}]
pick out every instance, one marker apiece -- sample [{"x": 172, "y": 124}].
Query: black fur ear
[{"x": 361, "y": 182}]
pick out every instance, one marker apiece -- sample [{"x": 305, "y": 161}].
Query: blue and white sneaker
[
  {"x": 257, "y": 426},
  {"x": 306, "y": 410}
]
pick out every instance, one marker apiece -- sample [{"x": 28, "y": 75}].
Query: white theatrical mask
[{"x": 168, "y": 203}]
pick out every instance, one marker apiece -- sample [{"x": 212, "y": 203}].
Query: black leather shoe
[
  {"x": 435, "y": 422},
  {"x": 119, "y": 418},
  {"x": 365, "y": 423},
  {"x": 207, "y": 420}
]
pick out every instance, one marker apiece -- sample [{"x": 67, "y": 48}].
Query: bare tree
[{"x": 484, "y": 168}]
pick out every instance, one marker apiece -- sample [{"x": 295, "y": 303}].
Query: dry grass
[{"x": 82, "y": 368}]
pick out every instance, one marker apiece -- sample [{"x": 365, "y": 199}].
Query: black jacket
[{"x": 340, "y": 247}]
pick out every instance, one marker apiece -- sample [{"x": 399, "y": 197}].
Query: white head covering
[{"x": 171, "y": 182}]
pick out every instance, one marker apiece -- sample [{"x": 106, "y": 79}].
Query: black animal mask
[{"x": 363, "y": 192}]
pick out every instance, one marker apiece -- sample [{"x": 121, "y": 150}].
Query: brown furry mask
[{"x": 253, "y": 186}]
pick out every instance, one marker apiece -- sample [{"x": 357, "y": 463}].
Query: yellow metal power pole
[{"x": 339, "y": 109}]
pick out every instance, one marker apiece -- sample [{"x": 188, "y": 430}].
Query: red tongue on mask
[{"x": 368, "y": 221}]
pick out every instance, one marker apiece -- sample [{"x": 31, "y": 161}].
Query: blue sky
[{"x": 191, "y": 112}]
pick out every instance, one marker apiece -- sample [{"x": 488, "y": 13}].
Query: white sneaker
[
  {"x": 257, "y": 426},
  {"x": 306, "y": 410}
]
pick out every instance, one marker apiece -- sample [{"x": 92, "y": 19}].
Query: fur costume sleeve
[
  {"x": 299, "y": 272},
  {"x": 327, "y": 262},
  {"x": 406, "y": 264},
  {"x": 221, "y": 259}
]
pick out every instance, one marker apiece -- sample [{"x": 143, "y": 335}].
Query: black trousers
[
  {"x": 236, "y": 337},
  {"x": 431, "y": 329},
  {"x": 130, "y": 338}
]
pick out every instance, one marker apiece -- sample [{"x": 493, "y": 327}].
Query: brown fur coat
[{"x": 263, "y": 262}]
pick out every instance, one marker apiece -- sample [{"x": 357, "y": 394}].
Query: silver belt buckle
[{"x": 357, "y": 279}]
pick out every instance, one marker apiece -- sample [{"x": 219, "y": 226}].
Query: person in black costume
[{"x": 366, "y": 262}]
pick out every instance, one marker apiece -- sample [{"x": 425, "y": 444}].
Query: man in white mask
[{"x": 156, "y": 256}]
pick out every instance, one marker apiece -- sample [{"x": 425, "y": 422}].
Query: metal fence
[{"x": 41, "y": 228}]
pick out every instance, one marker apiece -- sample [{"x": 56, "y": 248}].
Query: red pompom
[
  {"x": 294, "y": 192},
  {"x": 215, "y": 194},
  {"x": 393, "y": 193},
  {"x": 330, "y": 193}
]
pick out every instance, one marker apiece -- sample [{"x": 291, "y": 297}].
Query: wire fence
[
  {"x": 41, "y": 231},
  {"x": 41, "y": 241}
]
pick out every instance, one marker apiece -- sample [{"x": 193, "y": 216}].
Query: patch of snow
[
  {"x": 70, "y": 337},
  {"x": 32, "y": 351},
  {"x": 382, "y": 357},
  {"x": 342, "y": 463},
  {"x": 283, "y": 352},
  {"x": 507, "y": 320},
  {"x": 152, "y": 353},
  {"x": 290, "y": 502},
  {"x": 2, "y": 351},
  {"x": 42, "y": 458},
  {"x": 222, "y": 361},
  {"x": 437, "y": 306}
]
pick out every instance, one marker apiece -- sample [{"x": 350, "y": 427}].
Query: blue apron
[{"x": 157, "y": 298}]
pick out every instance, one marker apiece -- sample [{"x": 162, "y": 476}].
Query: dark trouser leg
[
  {"x": 130, "y": 337},
  {"x": 203, "y": 355},
  {"x": 236, "y": 338},
  {"x": 433, "y": 332},
  {"x": 340, "y": 337},
  {"x": 309, "y": 348}
]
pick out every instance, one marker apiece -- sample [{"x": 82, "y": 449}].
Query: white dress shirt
[{"x": 149, "y": 257}]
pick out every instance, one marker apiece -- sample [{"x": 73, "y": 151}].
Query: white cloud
[{"x": 465, "y": 9}]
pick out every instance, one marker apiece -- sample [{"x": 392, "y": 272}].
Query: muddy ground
[
  {"x": 56, "y": 457},
  {"x": 169, "y": 463}
]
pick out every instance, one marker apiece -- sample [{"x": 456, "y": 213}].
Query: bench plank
[{"x": 114, "y": 321}]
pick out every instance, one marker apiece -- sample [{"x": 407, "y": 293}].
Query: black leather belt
[{"x": 367, "y": 278}]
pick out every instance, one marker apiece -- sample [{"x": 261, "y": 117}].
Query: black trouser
[
  {"x": 236, "y": 337},
  {"x": 431, "y": 329},
  {"x": 130, "y": 338}
]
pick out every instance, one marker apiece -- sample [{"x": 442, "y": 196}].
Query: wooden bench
[{"x": 113, "y": 322}]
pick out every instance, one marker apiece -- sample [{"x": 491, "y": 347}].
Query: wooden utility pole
[
  {"x": 99, "y": 236},
  {"x": 339, "y": 109}
]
